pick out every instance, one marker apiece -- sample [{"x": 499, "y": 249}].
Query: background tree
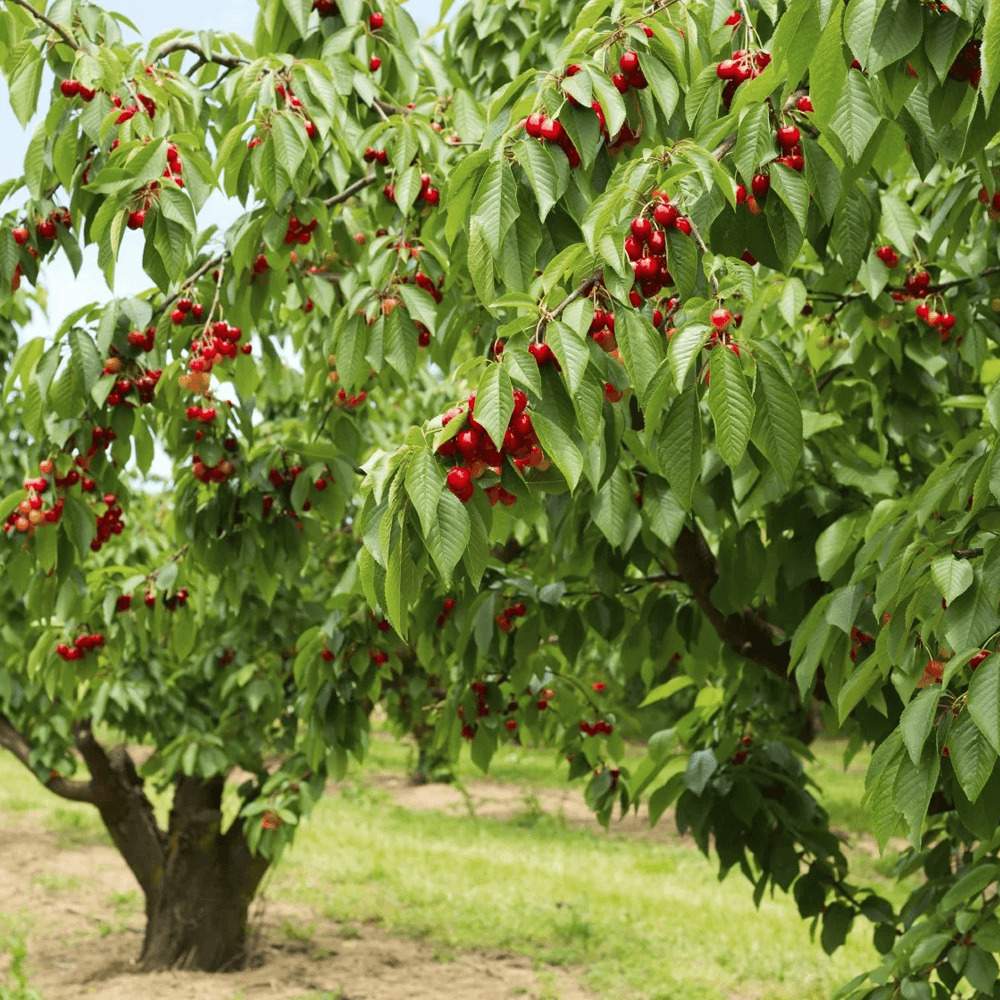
[{"x": 714, "y": 290}]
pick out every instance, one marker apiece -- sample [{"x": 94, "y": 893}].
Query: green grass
[{"x": 633, "y": 917}]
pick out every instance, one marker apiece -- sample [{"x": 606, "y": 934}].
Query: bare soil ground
[{"x": 81, "y": 913}]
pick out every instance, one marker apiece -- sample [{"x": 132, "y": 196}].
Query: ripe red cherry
[
  {"x": 510, "y": 725},
  {"x": 804, "y": 103},
  {"x": 629, "y": 62},
  {"x": 665, "y": 213},
  {"x": 642, "y": 229},
  {"x": 460, "y": 482},
  {"x": 683, "y": 225},
  {"x": 551, "y": 130},
  {"x": 657, "y": 243},
  {"x": 468, "y": 442},
  {"x": 620, "y": 81},
  {"x": 633, "y": 248},
  {"x": 788, "y": 136},
  {"x": 647, "y": 268},
  {"x": 520, "y": 402},
  {"x": 533, "y": 124},
  {"x": 46, "y": 229},
  {"x": 69, "y": 88},
  {"x": 542, "y": 353},
  {"x": 374, "y": 64},
  {"x": 721, "y": 318},
  {"x": 21, "y": 235},
  {"x": 136, "y": 219},
  {"x": 760, "y": 185},
  {"x": 177, "y": 317},
  {"x": 376, "y": 21}
]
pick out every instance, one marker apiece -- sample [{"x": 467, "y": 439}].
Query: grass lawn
[{"x": 634, "y": 917}]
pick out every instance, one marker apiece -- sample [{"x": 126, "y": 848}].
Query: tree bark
[{"x": 196, "y": 916}]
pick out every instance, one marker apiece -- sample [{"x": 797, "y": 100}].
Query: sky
[{"x": 67, "y": 292}]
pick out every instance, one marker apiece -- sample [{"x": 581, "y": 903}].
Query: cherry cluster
[
  {"x": 74, "y": 88},
  {"x": 45, "y": 228},
  {"x": 992, "y": 203},
  {"x": 185, "y": 310},
  {"x": 149, "y": 194},
  {"x": 144, "y": 386},
  {"x": 31, "y": 511},
  {"x": 373, "y": 155},
  {"x": 967, "y": 66},
  {"x": 474, "y": 446},
  {"x": 82, "y": 645},
  {"x": 325, "y": 8},
  {"x": 219, "y": 341},
  {"x": 203, "y": 415},
  {"x": 859, "y": 640},
  {"x": 505, "y": 620},
  {"x": 598, "y": 728},
  {"x": 143, "y": 340},
  {"x": 170, "y": 601},
  {"x": 722, "y": 319},
  {"x": 741, "y": 66},
  {"x": 284, "y": 92},
  {"x": 943, "y": 322},
  {"x": 283, "y": 482},
  {"x": 379, "y": 657},
  {"x": 631, "y": 75},
  {"x": 447, "y": 607},
  {"x": 741, "y": 755},
  {"x": 887, "y": 254},
  {"x": 541, "y": 126},
  {"x": 646, "y": 245},
  {"x": 218, "y": 473},
  {"x": 351, "y": 401},
  {"x": 299, "y": 232},
  {"x": 108, "y": 524},
  {"x": 428, "y": 194}
]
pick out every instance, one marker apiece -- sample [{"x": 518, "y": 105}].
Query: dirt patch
[
  {"x": 81, "y": 914},
  {"x": 495, "y": 800}
]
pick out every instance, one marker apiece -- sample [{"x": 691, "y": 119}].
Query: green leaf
[
  {"x": 972, "y": 757},
  {"x": 754, "y": 140},
  {"x": 917, "y": 721},
  {"x": 984, "y": 701},
  {"x": 981, "y": 970},
  {"x": 777, "y": 430},
  {"x": 899, "y": 222},
  {"x": 701, "y": 766},
  {"x": 972, "y": 619},
  {"x": 856, "y": 117},
  {"x": 611, "y": 506},
  {"x": 970, "y": 883},
  {"x": 641, "y": 348},
  {"x": 495, "y": 205},
  {"x": 952, "y": 576},
  {"x": 548, "y": 175},
  {"x": 661, "y": 83},
  {"x": 610, "y": 100},
  {"x": 990, "y": 54},
  {"x": 666, "y": 690},
  {"x": 494, "y": 402},
  {"x": 731, "y": 406},
  {"x": 685, "y": 347},
  {"x": 837, "y": 921},
  {"x": 449, "y": 534},
  {"x": 913, "y": 788},
  {"x": 680, "y": 447},
  {"x": 791, "y": 188},
  {"x": 424, "y": 483},
  {"x": 558, "y": 445},
  {"x": 24, "y": 79}
]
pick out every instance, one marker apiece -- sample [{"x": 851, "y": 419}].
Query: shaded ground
[{"x": 81, "y": 913}]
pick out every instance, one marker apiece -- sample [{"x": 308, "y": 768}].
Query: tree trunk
[{"x": 196, "y": 914}]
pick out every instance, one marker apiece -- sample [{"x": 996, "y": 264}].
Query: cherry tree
[{"x": 599, "y": 370}]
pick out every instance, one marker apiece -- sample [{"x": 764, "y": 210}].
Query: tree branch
[
  {"x": 350, "y": 191},
  {"x": 745, "y": 632},
  {"x": 58, "y": 29},
  {"x": 230, "y": 62},
  {"x": 12, "y": 740}
]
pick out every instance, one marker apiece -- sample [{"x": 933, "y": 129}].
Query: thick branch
[
  {"x": 58, "y": 29},
  {"x": 745, "y": 632},
  {"x": 126, "y": 811},
  {"x": 12, "y": 740}
]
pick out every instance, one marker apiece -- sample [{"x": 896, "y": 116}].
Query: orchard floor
[{"x": 485, "y": 890}]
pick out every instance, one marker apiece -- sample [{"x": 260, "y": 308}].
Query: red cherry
[
  {"x": 629, "y": 62},
  {"x": 683, "y": 225},
  {"x": 804, "y": 103},
  {"x": 665, "y": 213},
  {"x": 551, "y": 130},
  {"x": 760, "y": 185},
  {"x": 510, "y": 725},
  {"x": 533, "y": 124},
  {"x": 788, "y": 136},
  {"x": 620, "y": 82},
  {"x": 459, "y": 481},
  {"x": 376, "y": 20},
  {"x": 642, "y": 229},
  {"x": 374, "y": 64},
  {"x": 46, "y": 229},
  {"x": 21, "y": 235},
  {"x": 721, "y": 318},
  {"x": 136, "y": 219},
  {"x": 69, "y": 88}
]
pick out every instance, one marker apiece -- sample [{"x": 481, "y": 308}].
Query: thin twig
[
  {"x": 548, "y": 315},
  {"x": 232, "y": 62},
  {"x": 58, "y": 29},
  {"x": 351, "y": 190}
]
